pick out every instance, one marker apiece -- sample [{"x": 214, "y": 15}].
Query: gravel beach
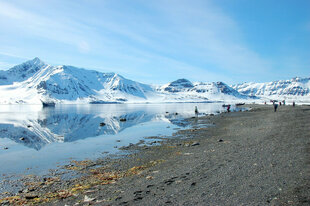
[{"x": 257, "y": 157}]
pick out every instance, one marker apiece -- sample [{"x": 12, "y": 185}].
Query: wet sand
[{"x": 258, "y": 157}]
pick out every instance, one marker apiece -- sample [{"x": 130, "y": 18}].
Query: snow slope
[
  {"x": 35, "y": 81},
  {"x": 296, "y": 89},
  {"x": 186, "y": 91},
  {"x": 21, "y": 72}
]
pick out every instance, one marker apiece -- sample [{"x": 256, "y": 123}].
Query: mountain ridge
[
  {"x": 34, "y": 81},
  {"x": 295, "y": 87}
]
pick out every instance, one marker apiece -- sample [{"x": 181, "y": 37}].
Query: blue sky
[{"x": 158, "y": 41}]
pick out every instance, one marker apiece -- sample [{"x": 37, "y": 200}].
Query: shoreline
[{"x": 257, "y": 157}]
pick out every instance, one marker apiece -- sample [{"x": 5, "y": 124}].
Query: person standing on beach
[
  {"x": 228, "y": 108},
  {"x": 275, "y": 106},
  {"x": 196, "y": 111},
  {"x": 293, "y": 104}
]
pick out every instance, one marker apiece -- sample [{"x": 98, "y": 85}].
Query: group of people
[
  {"x": 275, "y": 105},
  {"x": 274, "y": 102}
]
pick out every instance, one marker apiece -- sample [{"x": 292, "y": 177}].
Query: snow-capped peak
[
  {"x": 177, "y": 86},
  {"x": 285, "y": 88},
  {"x": 36, "y": 61},
  {"x": 21, "y": 72},
  {"x": 33, "y": 81}
]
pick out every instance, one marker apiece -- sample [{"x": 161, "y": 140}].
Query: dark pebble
[
  {"x": 31, "y": 196},
  {"x": 220, "y": 140}
]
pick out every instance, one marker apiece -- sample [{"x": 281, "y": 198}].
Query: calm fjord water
[{"x": 35, "y": 139}]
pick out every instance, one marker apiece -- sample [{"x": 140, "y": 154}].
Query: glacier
[{"x": 34, "y": 82}]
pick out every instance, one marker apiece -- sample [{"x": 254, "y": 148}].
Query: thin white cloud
[
  {"x": 5, "y": 65},
  {"x": 174, "y": 34},
  {"x": 83, "y": 47},
  {"x": 185, "y": 28},
  {"x": 3, "y": 53},
  {"x": 212, "y": 33},
  {"x": 54, "y": 28}
]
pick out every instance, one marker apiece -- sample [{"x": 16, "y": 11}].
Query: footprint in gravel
[
  {"x": 184, "y": 177},
  {"x": 169, "y": 182},
  {"x": 138, "y": 198},
  {"x": 137, "y": 192}
]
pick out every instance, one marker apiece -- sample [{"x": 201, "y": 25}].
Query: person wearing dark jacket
[{"x": 275, "y": 106}]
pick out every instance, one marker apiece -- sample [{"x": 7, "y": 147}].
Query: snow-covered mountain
[
  {"x": 35, "y": 81},
  {"x": 294, "y": 89},
  {"x": 184, "y": 90},
  {"x": 21, "y": 72}
]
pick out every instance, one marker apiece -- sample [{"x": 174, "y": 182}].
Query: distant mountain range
[
  {"x": 294, "y": 87},
  {"x": 35, "y": 81}
]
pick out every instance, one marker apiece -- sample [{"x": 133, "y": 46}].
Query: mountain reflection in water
[
  {"x": 38, "y": 139},
  {"x": 70, "y": 124}
]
